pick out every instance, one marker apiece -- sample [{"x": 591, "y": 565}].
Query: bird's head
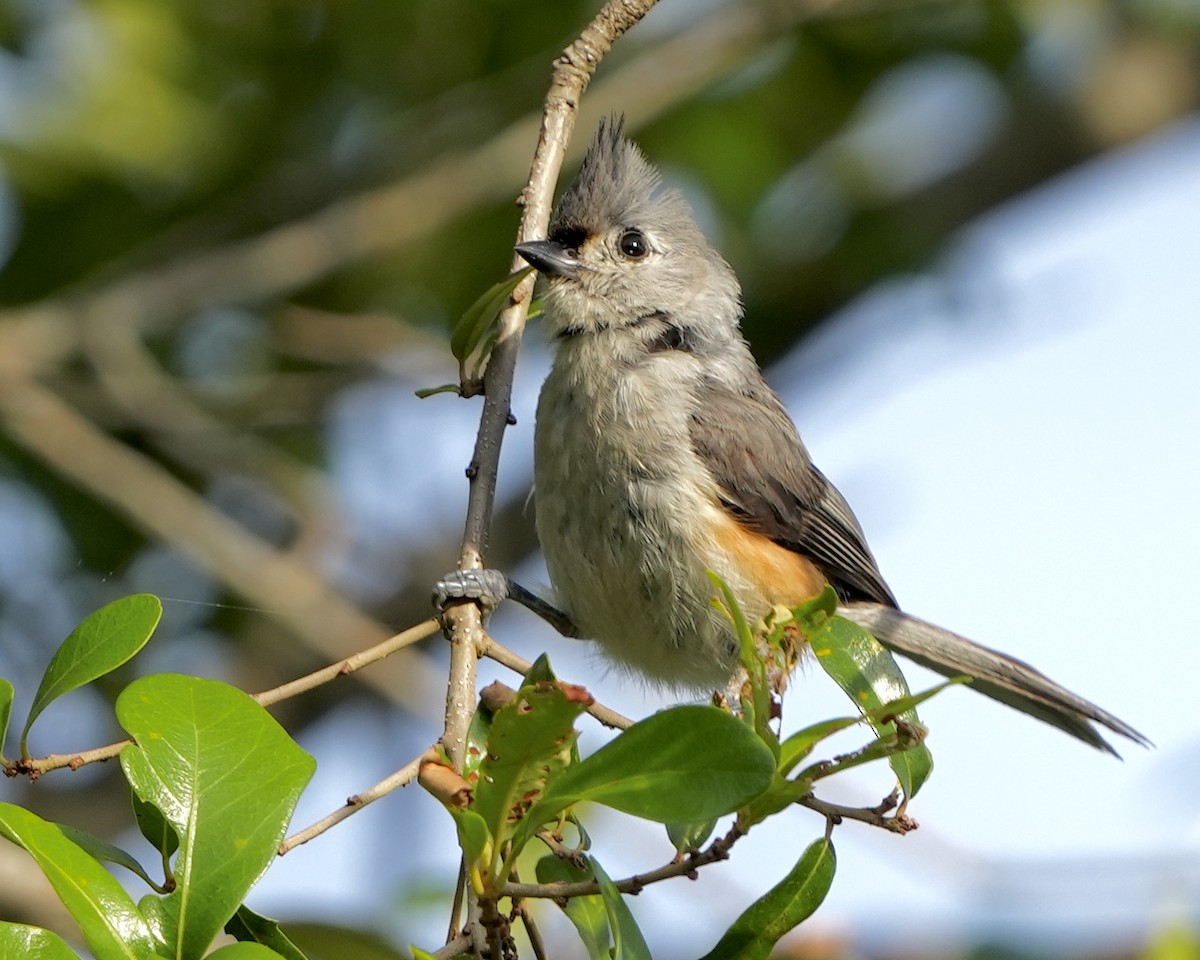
[{"x": 621, "y": 249}]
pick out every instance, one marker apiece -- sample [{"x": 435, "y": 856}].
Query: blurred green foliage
[{"x": 826, "y": 146}]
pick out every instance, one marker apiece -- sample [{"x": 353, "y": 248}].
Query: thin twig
[
  {"x": 876, "y": 816},
  {"x": 535, "y": 937},
  {"x": 514, "y": 661},
  {"x": 687, "y": 867},
  {"x": 56, "y": 761},
  {"x": 402, "y": 777},
  {"x": 572, "y": 71},
  {"x": 34, "y": 768},
  {"x": 464, "y": 622},
  {"x": 350, "y": 665},
  {"x": 460, "y": 890}
]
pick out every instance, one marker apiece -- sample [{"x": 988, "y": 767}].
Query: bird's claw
[{"x": 486, "y": 587}]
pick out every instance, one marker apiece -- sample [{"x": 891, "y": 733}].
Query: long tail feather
[{"x": 995, "y": 674}]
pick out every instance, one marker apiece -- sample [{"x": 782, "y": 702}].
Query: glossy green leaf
[
  {"x": 529, "y": 741},
  {"x": 226, "y": 777},
  {"x": 32, "y": 943},
  {"x": 154, "y": 827},
  {"x": 6, "y": 702},
  {"x": 904, "y": 705},
  {"x": 419, "y": 954},
  {"x": 801, "y": 743},
  {"x": 786, "y": 905},
  {"x": 250, "y": 927},
  {"x": 474, "y": 324},
  {"x": 688, "y": 763},
  {"x": 687, "y": 837},
  {"x": 782, "y": 793},
  {"x": 111, "y": 925},
  {"x": 106, "y": 852},
  {"x": 869, "y": 675},
  {"x": 628, "y": 942},
  {"x": 105, "y": 640},
  {"x": 588, "y": 914}
]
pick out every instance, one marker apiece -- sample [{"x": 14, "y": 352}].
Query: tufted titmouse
[{"x": 661, "y": 453}]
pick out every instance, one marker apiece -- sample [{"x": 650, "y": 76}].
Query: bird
[{"x": 661, "y": 453}]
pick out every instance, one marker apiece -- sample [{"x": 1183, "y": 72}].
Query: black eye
[{"x": 633, "y": 245}]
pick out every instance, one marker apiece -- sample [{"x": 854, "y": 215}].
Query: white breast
[{"x": 621, "y": 502}]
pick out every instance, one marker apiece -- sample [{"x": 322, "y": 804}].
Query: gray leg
[{"x": 490, "y": 587}]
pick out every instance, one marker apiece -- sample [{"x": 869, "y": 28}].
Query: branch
[
  {"x": 502, "y": 655},
  {"x": 687, "y": 867},
  {"x": 350, "y": 664},
  {"x": 157, "y": 503},
  {"x": 56, "y": 761},
  {"x": 901, "y": 823},
  {"x": 401, "y": 778},
  {"x": 572, "y": 72}
]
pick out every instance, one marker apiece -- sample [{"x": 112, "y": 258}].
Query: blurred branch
[
  {"x": 157, "y": 503},
  {"x": 300, "y": 253},
  {"x": 138, "y": 385}
]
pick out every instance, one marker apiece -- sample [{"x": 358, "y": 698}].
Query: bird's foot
[{"x": 486, "y": 587}]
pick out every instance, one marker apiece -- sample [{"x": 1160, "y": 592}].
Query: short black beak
[{"x": 549, "y": 257}]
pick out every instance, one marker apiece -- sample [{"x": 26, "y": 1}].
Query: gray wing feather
[
  {"x": 747, "y": 441},
  {"x": 754, "y": 453},
  {"x": 995, "y": 674}
]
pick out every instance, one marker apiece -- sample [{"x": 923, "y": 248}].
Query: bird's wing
[{"x": 766, "y": 480}]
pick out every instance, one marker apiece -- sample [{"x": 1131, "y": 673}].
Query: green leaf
[
  {"x": 529, "y": 741},
  {"x": 425, "y": 392},
  {"x": 686, "y": 837},
  {"x": 868, "y": 674},
  {"x": 154, "y": 827},
  {"x": 250, "y": 927},
  {"x": 6, "y": 702},
  {"x": 244, "y": 951},
  {"x": 327, "y": 941},
  {"x": 473, "y": 835},
  {"x": 105, "y": 640},
  {"x": 111, "y": 925},
  {"x": 588, "y": 914},
  {"x": 540, "y": 671},
  {"x": 758, "y": 711},
  {"x": 105, "y": 852},
  {"x": 32, "y": 943},
  {"x": 801, "y": 743},
  {"x": 628, "y": 942},
  {"x": 903, "y": 705},
  {"x": 474, "y": 324},
  {"x": 226, "y": 777},
  {"x": 786, "y": 905},
  {"x": 688, "y": 763},
  {"x": 419, "y": 954}
]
